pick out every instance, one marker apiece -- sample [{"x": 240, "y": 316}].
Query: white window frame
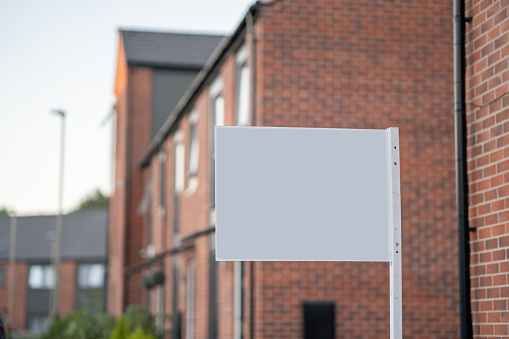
[
  {"x": 41, "y": 277},
  {"x": 243, "y": 88},
  {"x": 179, "y": 166},
  {"x": 194, "y": 153},
  {"x": 88, "y": 269},
  {"x": 217, "y": 101},
  {"x": 161, "y": 211}
]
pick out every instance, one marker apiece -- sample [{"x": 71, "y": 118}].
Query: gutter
[
  {"x": 173, "y": 251},
  {"x": 156, "y": 259},
  {"x": 198, "y": 83},
  {"x": 460, "y": 128},
  {"x": 165, "y": 66}
]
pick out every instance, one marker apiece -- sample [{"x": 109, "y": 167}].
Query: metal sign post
[
  {"x": 395, "y": 224},
  {"x": 336, "y": 191}
]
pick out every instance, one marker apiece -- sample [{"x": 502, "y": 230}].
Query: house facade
[
  {"x": 83, "y": 267},
  {"x": 332, "y": 64},
  {"x": 487, "y": 104},
  {"x": 153, "y": 71}
]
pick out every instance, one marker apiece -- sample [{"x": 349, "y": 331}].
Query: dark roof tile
[
  {"x": 168, "y": 49},
  {"x": 84, "y": 236}
]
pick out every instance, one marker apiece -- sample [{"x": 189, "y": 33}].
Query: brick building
[
  {"x": 335, "y": 64},
  {"x": 487, "y": 82},
  {"x": 83, "y": 266},
  {"x": 153, "y": 71}
]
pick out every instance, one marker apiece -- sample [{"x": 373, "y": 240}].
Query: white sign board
[{"x": 302, "y": 194}]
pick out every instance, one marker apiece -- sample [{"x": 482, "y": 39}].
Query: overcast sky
[{"x": 60, "y": 54}]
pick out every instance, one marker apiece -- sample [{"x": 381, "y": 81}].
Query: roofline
[
  {"x": 172, "y": 32},
  {"x": 162, "y": 65},
  {"x": 43, "y": 260},
  {"x": 214, "y": 60}
]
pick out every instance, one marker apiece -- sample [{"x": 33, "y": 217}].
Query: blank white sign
[{"x": 302, "y": 194}]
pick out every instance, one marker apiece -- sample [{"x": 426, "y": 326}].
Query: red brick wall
[
  {"x": 116, "y": 237},
  {"x": 343, "y": 64},
  {"x": 20, "y": 291},
  {"x": 67, "y": 291},
  {"x": 20, "y": 296},
  {"x": 3, "y": 290},
  {"x": 487, "y": 50},
  {"x": 367, "y": 64},
  {"x": 133, "y": 90},
  {"x": 139, "y": 137}
]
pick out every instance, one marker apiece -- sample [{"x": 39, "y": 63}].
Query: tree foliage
[
  {"x": 6, "y": 211},
  {"x": 95, "y": 199}
]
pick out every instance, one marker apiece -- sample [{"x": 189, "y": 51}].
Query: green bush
[
  {"x": 135, "y": 323},
  {"x": 136, "y": 316},
  {"x": 80, "y": 325},
  {"x": 121, "y": 330},
  {"x": 139, "y": 334}
]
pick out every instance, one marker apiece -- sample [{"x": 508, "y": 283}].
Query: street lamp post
[
  {"x": 59, "y": 222},
  {"x": 12, "y": 262}
]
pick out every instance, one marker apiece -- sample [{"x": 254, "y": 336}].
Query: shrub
[
  {"x": 80, "y": 325},
  {"x": 135, "y": 323}
]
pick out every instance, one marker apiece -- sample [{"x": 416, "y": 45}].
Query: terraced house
[
  {"x": 27, "y": 279},
  {"x": 319, "y": 63}
]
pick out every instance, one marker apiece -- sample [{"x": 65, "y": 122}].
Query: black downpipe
[
  {"x": 251, "y": 300},
  {"x": 252, "y": 56},
  {"x": 461, "y": 169},
  {"x": 213, "y": 305}
]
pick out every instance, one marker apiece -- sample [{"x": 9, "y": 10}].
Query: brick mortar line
[
  {"x": 487, "y": 81},
  {"x": 483, "y": 143},
  {"x": 489, "y": 238},
  {"x": 473, "y": 111},
  {"x": 481, "y": 47},
  {"x": 490, "y": 214},
  {"x": 490, "y": 299},
  {"x": 495, "y": 49},
  {"x": 487, "y": 177},
  {"x": 494, "y": 262},
  {"x": 470, "y": 102},
  {"x": 476, "y": 157}
]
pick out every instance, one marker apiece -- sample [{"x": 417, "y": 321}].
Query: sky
[{"x": 60, "y": 54}]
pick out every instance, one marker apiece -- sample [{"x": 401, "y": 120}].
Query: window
[
  {"x": 90, "y": 276},
  {"x": 243, "y": 88},
  {"x": 194, "y": 150},
  {"x": 2, "y": 276},
  {"x": 190, "y": 300},
  {"x": 41, "y": 277},
  {"x": 219, "y": 110},
  {"x": 38, "y": 323},
  {"x": 178, "y": 180},
  {"x": 162, "y": 182},
  {"x": 160, "y": 308},
  {"x": 179, "y": 165},
  {"x": 217, "y": 118}
]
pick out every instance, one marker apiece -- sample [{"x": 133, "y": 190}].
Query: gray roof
[
  {"x": 175, "y": 50},
  {"x": 84, "y": 236}
]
